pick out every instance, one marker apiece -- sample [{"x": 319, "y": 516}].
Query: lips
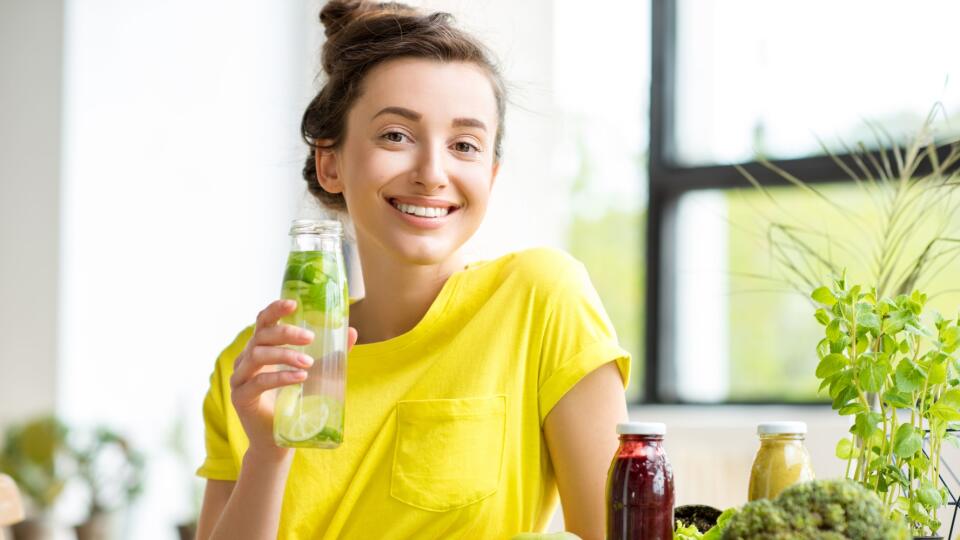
[
  {"x": 424, "y": 214},
  {"x": 423, "y": 208}
]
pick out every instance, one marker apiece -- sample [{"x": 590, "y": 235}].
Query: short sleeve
[
  {"x": 578, "y": 336},
  {"x": 220, "y": 463}
]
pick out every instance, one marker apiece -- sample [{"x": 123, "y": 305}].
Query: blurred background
[{"x": 149, "y": 169}]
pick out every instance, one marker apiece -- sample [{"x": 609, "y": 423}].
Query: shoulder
[
  {"x": 543, "y": 267},
  {"x": 541, "y": 278}
]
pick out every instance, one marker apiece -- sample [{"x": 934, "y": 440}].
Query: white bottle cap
[
  {"x": 780, "y": 428},
  {"x": 642, "y": 428}
]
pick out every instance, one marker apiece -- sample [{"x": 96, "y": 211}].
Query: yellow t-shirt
[{"x": 443, "y": 425}]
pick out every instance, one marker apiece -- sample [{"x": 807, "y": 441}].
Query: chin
[{"x": 424, "y": 253}]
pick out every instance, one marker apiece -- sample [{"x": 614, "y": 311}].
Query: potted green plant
[
  {"x": 36, "y": 456},
  {"x": 899, "y": 378},
  {"x": 112, "y": 472},
  {"x": 886, "y": 359}
]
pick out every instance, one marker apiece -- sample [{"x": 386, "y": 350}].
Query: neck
[{"x": 397, "y": 294}]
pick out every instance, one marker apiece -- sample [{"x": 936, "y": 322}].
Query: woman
[{"x": 475, "y": 393}]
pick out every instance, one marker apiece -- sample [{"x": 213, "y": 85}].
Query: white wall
[
  {"x": 31, "y": 41},
  {"x": 180, "y": 178}
]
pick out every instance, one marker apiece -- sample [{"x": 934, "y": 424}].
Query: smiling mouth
[{"x": 423, "y": 211}]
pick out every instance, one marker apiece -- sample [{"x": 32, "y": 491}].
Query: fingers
[
  {"x": 261, "y": 356},
  {"x": 250, "y": 390},
  {"x": 282, "y": 334},
  {"x": 273, "y": 312},
  {"x": 351, "y": 338}
]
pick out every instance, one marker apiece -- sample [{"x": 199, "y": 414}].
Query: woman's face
[{"x": 417, "y": 163}]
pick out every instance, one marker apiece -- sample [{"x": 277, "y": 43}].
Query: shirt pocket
[{"x": 448, "y": 451}]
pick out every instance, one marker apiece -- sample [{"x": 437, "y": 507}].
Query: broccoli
[{"x": 821, "y": 510}]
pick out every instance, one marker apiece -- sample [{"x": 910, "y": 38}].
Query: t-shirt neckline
[{"x": 423, "y": 327}]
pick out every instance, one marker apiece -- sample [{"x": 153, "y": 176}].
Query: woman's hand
[{"x": 255, "y": 373}]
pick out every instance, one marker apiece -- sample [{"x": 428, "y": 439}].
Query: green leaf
[
  {"x": 854, "y": 293},
  {"x": 853, "y": 408},
  {"x": 841, "y": 383},
  {"x": 866, "y": 424},
  {"x": 869, "y": 320},
  {"x": 823, "y": 296},
  {"x": 895, "y": 475},
  {"x": 944, "y": 413},
  {"x": 832, "y": 363},
  {"x": 919, "y": 463},
  {"x": 951, "y": 398},
  {"x": 839, "y": 345},
  {"x": 716, "y": 532},
  {"x": 822, "y": 316},
  {"x": 896, "y": 321},
  {"x": 844, "y": 397},
  {"x": 929, "y": 497},
  {"x": 900, "y": 400},
  {"x": 909, "y": 376},
  {"x": 825, "y": 383},
  {"x": 906, "y": 442},
  {"x": 889, "y": 344},
  {"x": 823, "y": 348},
  {"x": 917, "y": 512},
  {"x": 862, "y": 344},
  {"x": 833, "y": 330},
  {"x": 904, "y": 347},
  {"x": 937, "y": 374},
  {"x": 950, "y": 337},
  {"x": 918, "y": 297},
  {"x": 844, "y": 449},
  {"x": 872, "y": 374}
]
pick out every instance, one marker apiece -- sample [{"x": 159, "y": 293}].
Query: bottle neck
[
  {"x": 650, "y": 439},
  {"x": 315, "y": 242},
  {"x": 636, "y": 445},
  {"x": 315, "y": 235},
  {"x": 782, "y": 438}
]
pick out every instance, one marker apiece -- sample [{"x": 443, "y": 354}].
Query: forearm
[{"x": 253, "y": 511}]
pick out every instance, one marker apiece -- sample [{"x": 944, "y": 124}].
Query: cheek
[{"x": 370, "y": 170}]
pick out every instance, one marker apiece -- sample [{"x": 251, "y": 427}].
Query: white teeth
[{"x": 422, "y": 211}]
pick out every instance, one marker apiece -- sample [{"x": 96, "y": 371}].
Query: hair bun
[{"x": 337, "y": 14}]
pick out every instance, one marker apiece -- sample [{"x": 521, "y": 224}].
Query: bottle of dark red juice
[{"x": 640, "y": 485}]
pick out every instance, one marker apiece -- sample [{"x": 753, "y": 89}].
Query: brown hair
[{"x": 361, "y": 35}]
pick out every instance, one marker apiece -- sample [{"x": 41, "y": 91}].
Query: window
[
  {"x": 733, "y": 82},
  {"x": 770, "y": 77}
]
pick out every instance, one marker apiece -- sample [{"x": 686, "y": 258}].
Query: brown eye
[
  {"x": 394, "y": 136},
  {"x": 465, "y": 147}
]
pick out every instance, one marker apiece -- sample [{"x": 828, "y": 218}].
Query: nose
[{"x": 430, "y": 174}]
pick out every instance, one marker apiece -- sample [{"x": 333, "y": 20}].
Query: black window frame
[{"x": 667, "y": 182}]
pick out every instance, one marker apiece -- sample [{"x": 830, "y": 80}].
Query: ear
[
  {"x": 493, "y": 175},
  {"x": 328, "y": 170}
]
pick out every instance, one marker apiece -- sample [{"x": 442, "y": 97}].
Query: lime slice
[{"x": 300, "y": 419}]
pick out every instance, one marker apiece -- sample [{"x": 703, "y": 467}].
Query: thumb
[{"x": 351, "y": 337}]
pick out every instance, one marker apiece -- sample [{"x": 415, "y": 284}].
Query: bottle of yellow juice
[{"x": 781, "y": 461}]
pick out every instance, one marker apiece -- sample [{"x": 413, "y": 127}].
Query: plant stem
[
  {"x": 890, "y": 457},
  {"x": 852, "y": 353}
]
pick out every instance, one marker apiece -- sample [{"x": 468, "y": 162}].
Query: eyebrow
[{"x": 415, "y": 117}]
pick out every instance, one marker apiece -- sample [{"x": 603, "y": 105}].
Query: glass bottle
[
  {"x": 640, "y": 485},
  {"x": 310, "y": 414},
  {"x": 781, "y": 461}
]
